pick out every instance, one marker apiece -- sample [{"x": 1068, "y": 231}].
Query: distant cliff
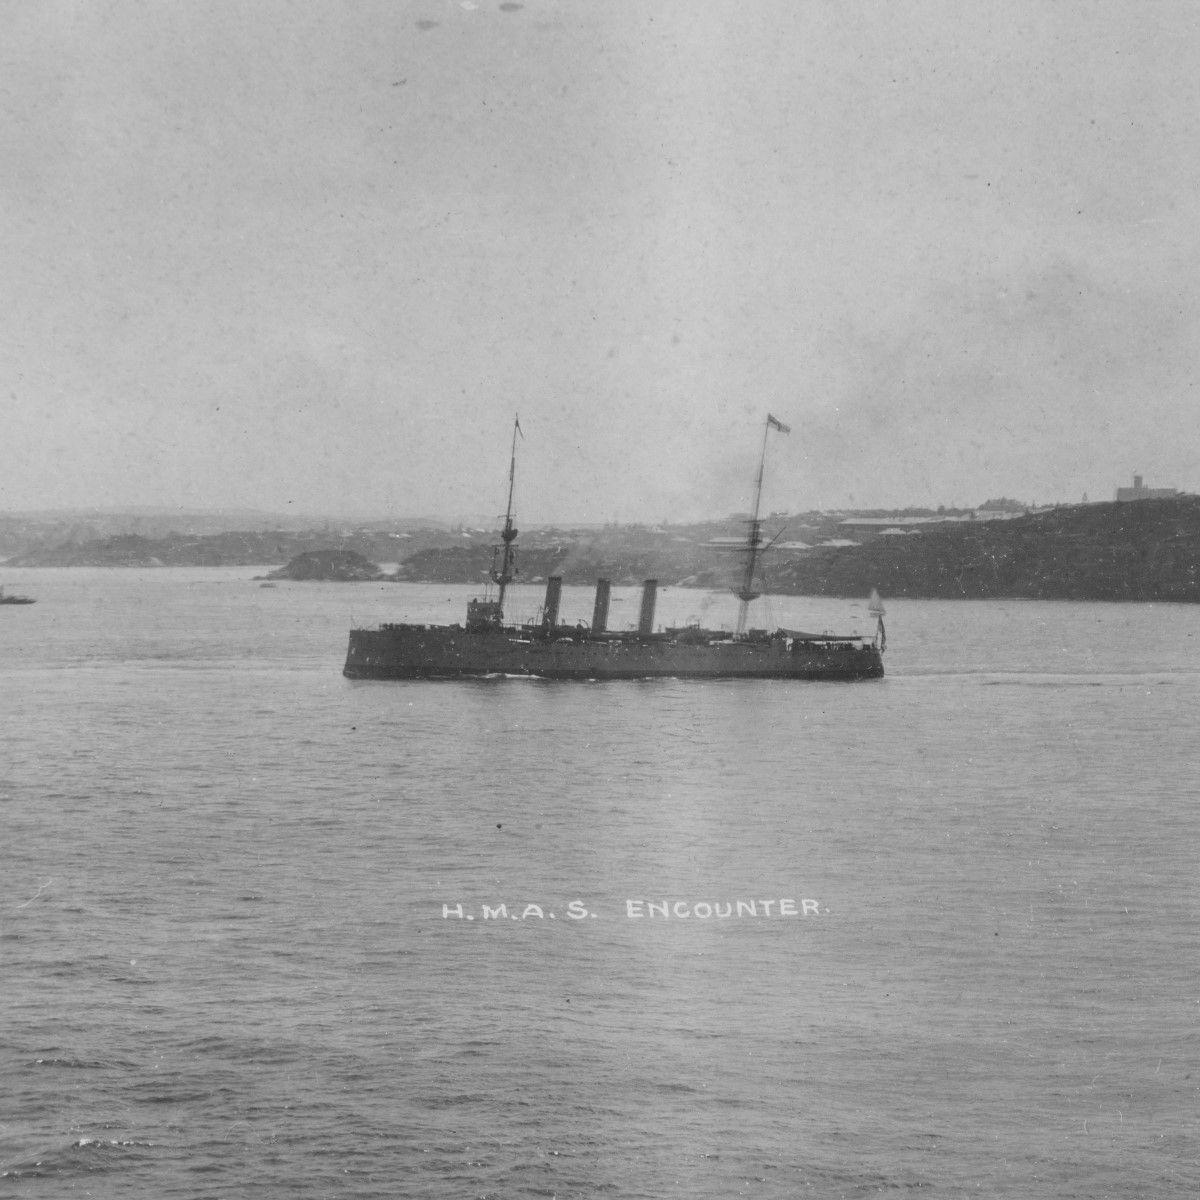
[{"x": 1142, "y": 550}]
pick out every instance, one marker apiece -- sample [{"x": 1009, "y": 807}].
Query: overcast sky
[{"x": 313, "y": 256}]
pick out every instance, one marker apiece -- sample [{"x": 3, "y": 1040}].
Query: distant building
[{"x": 1140, "y": 492}]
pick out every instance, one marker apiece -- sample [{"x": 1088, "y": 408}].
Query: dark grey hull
[{"x": 441, "y": 652}]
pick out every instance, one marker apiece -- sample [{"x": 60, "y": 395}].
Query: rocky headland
[{"x": 330, "y": 566}]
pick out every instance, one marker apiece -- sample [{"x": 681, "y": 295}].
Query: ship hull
[{"x": 440, "y": 652}]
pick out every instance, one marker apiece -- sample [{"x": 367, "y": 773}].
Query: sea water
[{"x": 267, "y": 932}]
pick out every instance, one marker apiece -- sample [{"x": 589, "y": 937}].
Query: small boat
[
  {"x": 10, "y": 598},
  {"x": 548, "y": 649}
]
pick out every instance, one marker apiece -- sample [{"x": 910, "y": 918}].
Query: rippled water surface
[{"x": 224, "y": 872}]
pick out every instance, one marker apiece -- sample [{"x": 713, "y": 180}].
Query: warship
[{"x": 485, "y": 644}]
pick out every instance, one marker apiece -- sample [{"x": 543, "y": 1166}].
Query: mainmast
[
  {"x": 754, "y": 541},
  {"x": 504, "y": 576}
]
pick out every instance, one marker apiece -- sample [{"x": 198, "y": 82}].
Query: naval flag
[{"x": 776, "y": 423}]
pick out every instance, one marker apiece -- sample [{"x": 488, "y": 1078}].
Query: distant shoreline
[{"x": 1141, "y": 551}]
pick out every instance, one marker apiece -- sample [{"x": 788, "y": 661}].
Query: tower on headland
[{"x": 1140, "y": 492}]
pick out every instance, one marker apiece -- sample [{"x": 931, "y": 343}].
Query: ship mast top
[
  {"x": 504, "y": 576},
  {"x": 746, "y": 592}
]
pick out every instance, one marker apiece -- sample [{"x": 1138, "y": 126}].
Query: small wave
[
  {"x": 1059, "y": 682},
  {"x": 676, "y": 1089},
  {"x": 437, "y": 1102},
  {"x": 245, "y": 1050},
  {"x": 180, "y": 1097},
  {"x": 90, "y": 1155},
  {"x": 114, "y": 1142}
]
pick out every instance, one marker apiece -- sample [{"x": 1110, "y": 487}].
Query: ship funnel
[
  {"x": 649, "y": 595},
  {"x": 600, "y": 612},
  {"x": 553, "y": 596}
]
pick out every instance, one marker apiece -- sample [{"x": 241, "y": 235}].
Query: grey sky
[{"x": 315, "y": 255}]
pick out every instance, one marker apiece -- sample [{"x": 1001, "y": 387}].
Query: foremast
[
  {"x": 487, "y": 615},
  {"x": 507, "y": 571},
  {"x": 754, "y": 539}
]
